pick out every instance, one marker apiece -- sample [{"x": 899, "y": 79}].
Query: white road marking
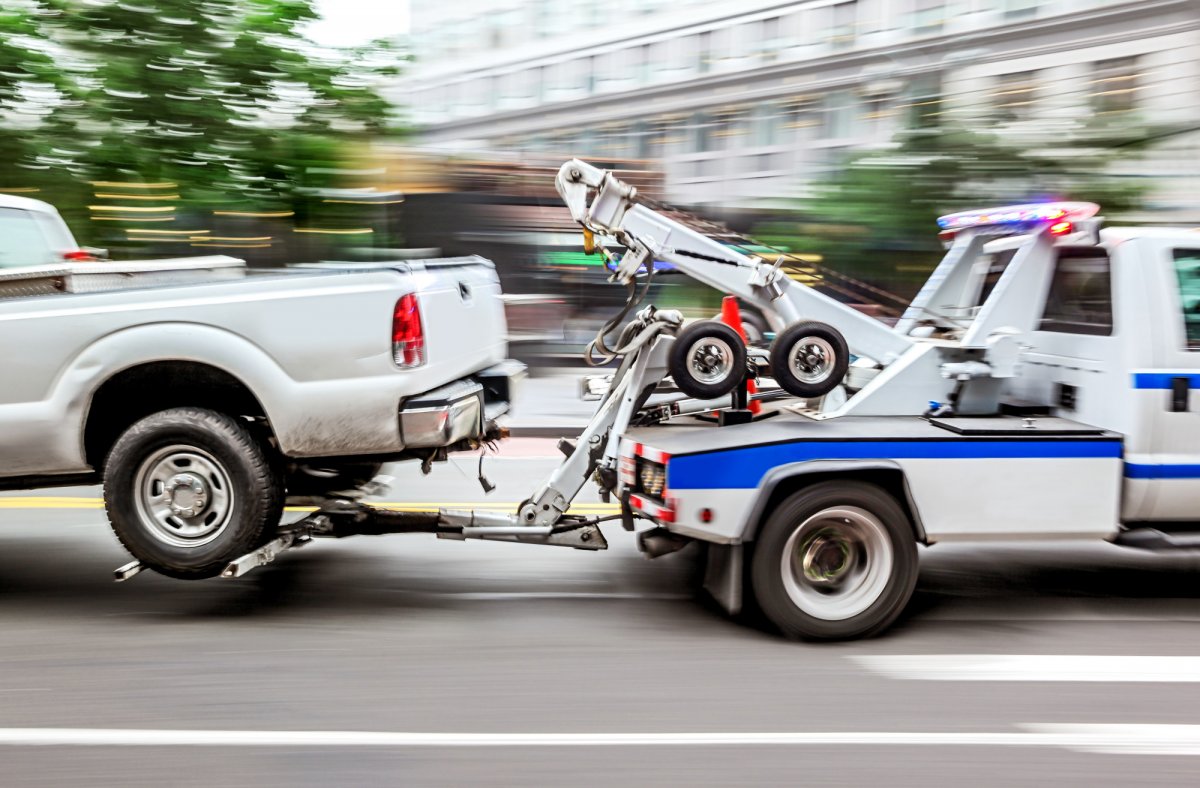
[
  {"x": 1116, "y": 739},
  {"x": 1032, "y": 667}
]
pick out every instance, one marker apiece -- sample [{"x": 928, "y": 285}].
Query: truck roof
[
  {"x": 25, "y": 204},
  {"x": 1121, "y": 234}
]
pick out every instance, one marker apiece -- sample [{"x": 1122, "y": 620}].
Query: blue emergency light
[{"x": 1060, "y": 216}]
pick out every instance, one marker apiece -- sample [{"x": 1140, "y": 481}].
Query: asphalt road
[{"x": 419, "y": 662}]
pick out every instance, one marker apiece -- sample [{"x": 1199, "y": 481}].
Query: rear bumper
[{"x": 460, "y": 411}]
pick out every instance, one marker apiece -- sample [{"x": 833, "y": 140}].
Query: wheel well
[
  {"x": 891, "y": 480},
  {"x": 137, "y": 392}
]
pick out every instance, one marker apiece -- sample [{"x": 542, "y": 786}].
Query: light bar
[{"x": 1031, "y": 213}]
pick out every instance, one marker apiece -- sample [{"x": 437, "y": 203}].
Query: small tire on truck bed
[
  {"x": 835, "y": 561},
  {"x": 187, "y": 490},
  {"x": 707, "y": 360}
]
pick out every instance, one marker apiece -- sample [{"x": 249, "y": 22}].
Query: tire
[
  {"x": 227, "y": 494},
  {"x": 708, "y": 360},
  {"x": 809, "y": 360},
  {"x": 835, "y": 561}
]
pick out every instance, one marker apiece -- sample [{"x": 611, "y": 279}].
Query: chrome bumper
[{"x": 462, "y": 410}]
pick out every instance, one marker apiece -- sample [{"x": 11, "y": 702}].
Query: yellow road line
[{"x": 80, "y": 502}]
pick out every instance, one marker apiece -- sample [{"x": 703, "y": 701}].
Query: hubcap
[
  {"x": 837, "y": 563},
  {"x": 710, "y": 359},
  {"x": 812, "y": 359},
  {"x": 184, "y": 496}
]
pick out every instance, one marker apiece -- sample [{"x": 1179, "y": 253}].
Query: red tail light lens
[
  {"x": 79, "y": 256},
  {"x": 408, "y": 337}
]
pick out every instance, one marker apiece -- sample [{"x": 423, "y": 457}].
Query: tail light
[
  {"x": 408, "y": 336},
  {"x": 79, "y": 256}
]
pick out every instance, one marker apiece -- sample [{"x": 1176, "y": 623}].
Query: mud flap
[{"x": 723, "y": 576}]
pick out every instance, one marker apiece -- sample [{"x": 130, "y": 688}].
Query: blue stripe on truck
[
  {"x": 1163, "y": 380},
  {"x": 1147, "y": 471},
  {"x": 745, "y": 468}
]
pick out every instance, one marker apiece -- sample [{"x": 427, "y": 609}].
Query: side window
[
  {"x": 997, "y": 263},
  {"x": 1080, "y": 298},
  {"x": 1187, "y": 268},
  {"x": 21, "y": 240}
]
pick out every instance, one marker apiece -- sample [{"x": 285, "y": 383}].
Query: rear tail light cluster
[
  {"x": 79, "y": 256},
  {"x": 646, "y": 473},
  {"x": 408, "y": 335},
  {"x": 653, "y": 478}
]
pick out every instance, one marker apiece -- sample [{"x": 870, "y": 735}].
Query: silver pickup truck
[{"x": 203, "y": 394}]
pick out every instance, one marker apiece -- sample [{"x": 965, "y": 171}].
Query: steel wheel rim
[
  {"x": 710, "y": 360},
  {"x": 184, "y": 496},
  {"x": 837, "y": 563},
  {"x": 812, "y": 359}
]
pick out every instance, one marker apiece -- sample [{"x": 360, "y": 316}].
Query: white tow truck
[{"x": 1041, "y": 385}]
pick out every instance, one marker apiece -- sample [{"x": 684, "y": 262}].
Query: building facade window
[
  {"x": 923, "y": 101},
  {"x": 1015, "y": 96},
  {"x": 1020, "y": 9},
  {"x": 929, "y": 16},
  {"x": 844, "y": 22},
  {"x": 838, "y": 115},
  {"x": 1115, "y": 85},
  {"x": 704, "y": 53}
]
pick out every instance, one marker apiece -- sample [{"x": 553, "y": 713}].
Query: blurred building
[{"x": 744, "y": 104}]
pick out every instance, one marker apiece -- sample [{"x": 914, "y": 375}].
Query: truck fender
[
  {"x": 812, "y": 471},
  {"x": 84, "y": 374}
]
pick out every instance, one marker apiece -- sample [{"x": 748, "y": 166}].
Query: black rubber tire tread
[
  {"x": 254, "y": 474},
  {"x": 681, "y": 373},
  {"x": 767, "y": 581},
  {"x": 781, "y": 369}
]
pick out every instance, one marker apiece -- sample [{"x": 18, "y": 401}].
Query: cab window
[
  {"x": 25, "y": 239},
  {"x": 1187, "y": 269},
  {"x": 1080, "y": 298}
]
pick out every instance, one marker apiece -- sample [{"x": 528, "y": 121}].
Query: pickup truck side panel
[{"x": 313, "y": 347}]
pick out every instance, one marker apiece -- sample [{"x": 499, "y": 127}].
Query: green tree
[
  {"x": 34, "y": 92},
  {"x": 215, "y": 101},
  {"x": 879, "y": 210},
  {"x": 216, "y": 96}
]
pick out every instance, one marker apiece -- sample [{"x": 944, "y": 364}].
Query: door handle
[{"x": 1181, "y": 390}]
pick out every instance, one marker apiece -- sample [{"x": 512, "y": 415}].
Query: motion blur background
[{"x": 286, "y": 130}]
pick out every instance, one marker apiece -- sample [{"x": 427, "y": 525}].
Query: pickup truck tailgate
[{"x": 462, "y": 314}]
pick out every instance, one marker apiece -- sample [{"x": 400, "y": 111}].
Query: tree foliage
[
  {"x": 225, "y": 99},
  {"x": 881, "y": 207}
]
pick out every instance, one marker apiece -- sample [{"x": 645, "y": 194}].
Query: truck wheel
[
  {"x": 708, "y": 360},
  {"x": 187, "y": 490},
  {"x": 810, "y": 359},
  {"x": 835, "y": 561}
]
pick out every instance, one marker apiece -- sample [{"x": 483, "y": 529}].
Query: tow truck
[{"x": 1041, "y": 385}]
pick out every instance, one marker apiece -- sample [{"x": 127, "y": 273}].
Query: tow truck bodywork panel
[{"x": 1024, "y": 479}]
